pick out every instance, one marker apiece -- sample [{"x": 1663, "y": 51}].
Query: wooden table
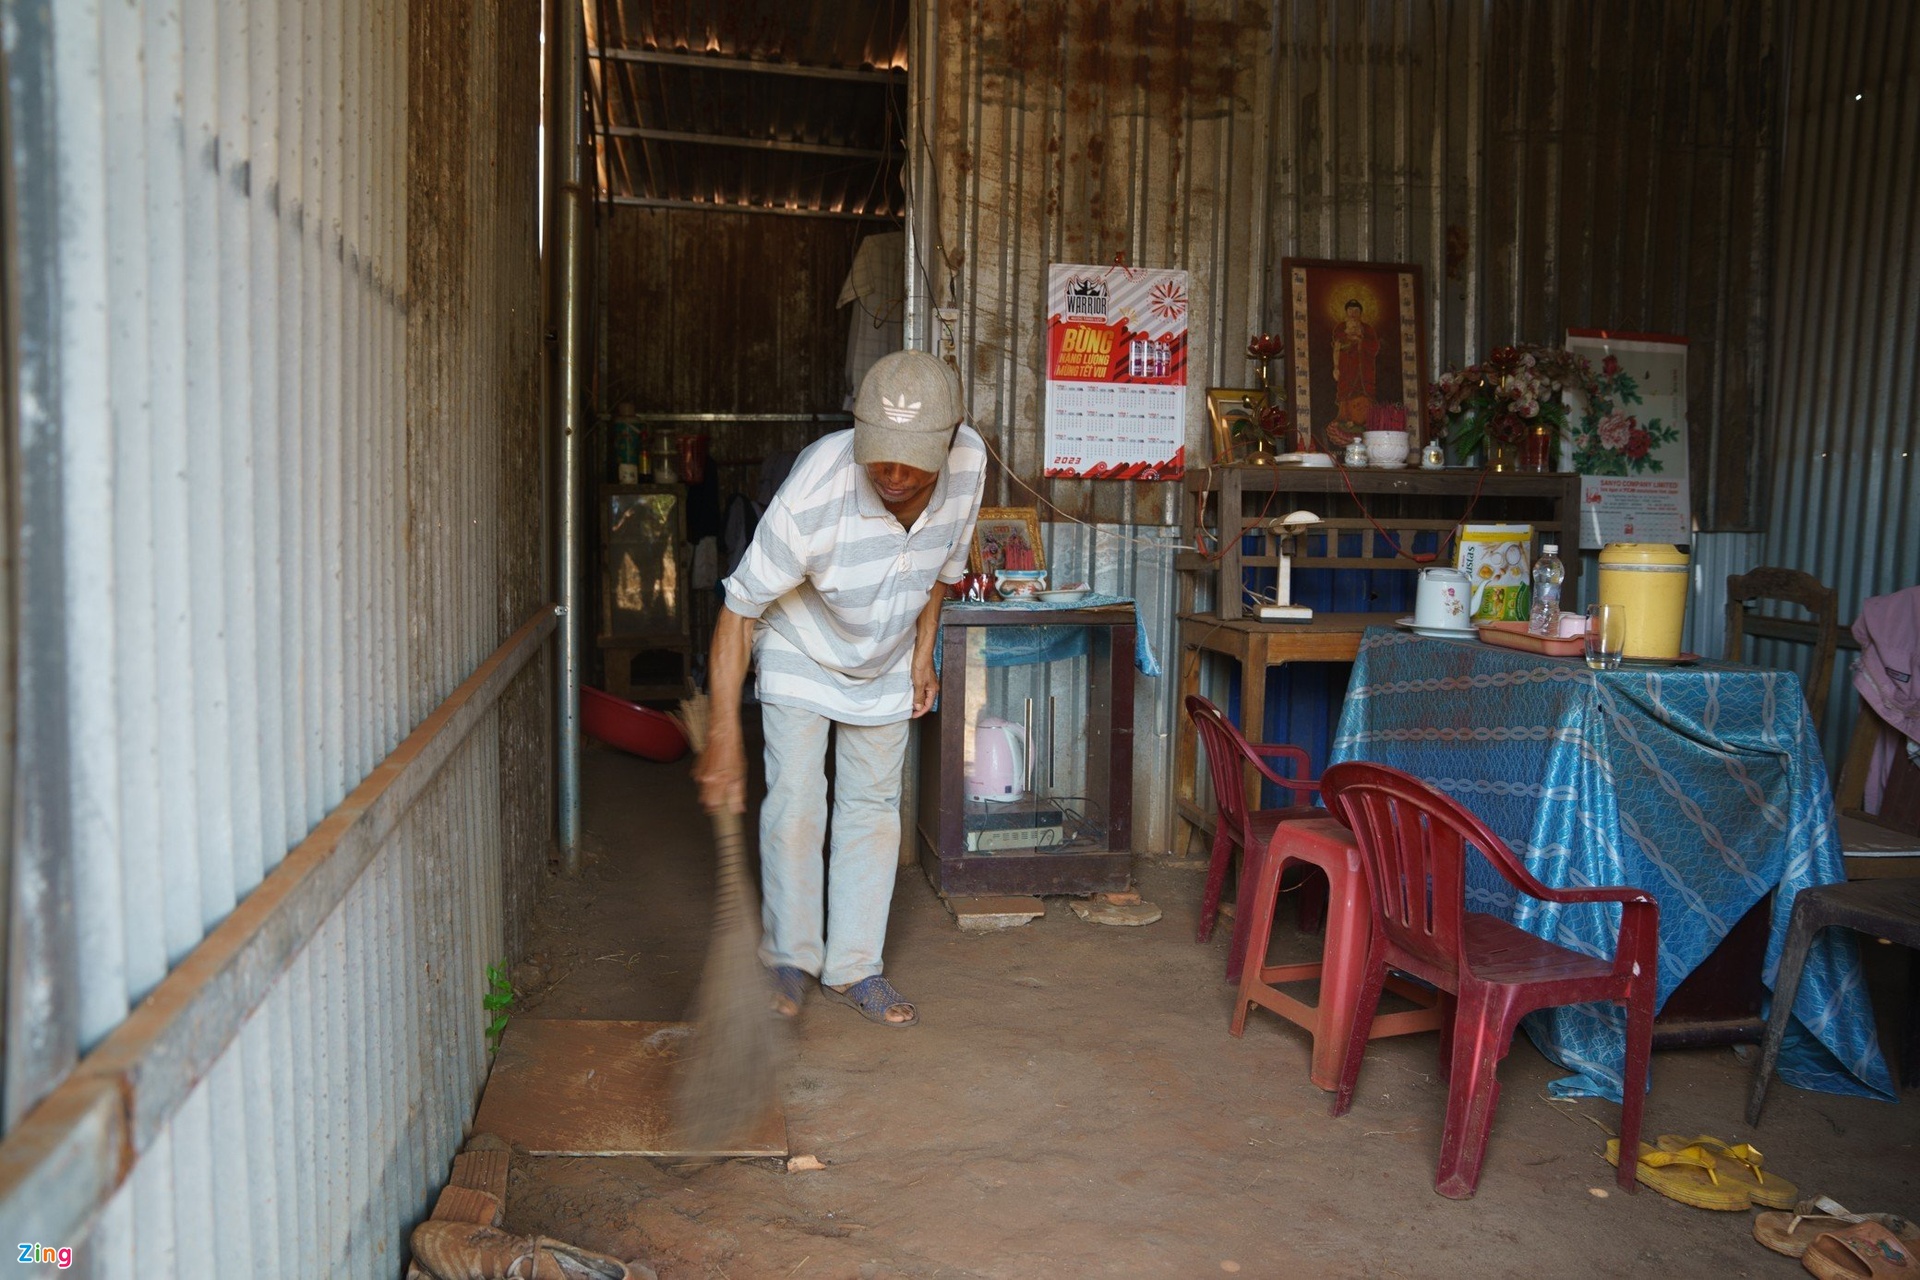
[{"x": 1330, "y": 637}]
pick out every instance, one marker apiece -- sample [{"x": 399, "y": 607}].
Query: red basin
[{"x": 650, "y": 734}]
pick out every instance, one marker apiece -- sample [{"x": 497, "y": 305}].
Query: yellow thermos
[{"x": 1648, "y": 580}]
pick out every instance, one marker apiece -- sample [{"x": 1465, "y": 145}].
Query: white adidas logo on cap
[{"x": 899, "y": 411}]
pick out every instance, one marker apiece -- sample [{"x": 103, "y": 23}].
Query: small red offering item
[
  {"x": 652, "y": 735},
  {"x": 1265, "y": 346}
]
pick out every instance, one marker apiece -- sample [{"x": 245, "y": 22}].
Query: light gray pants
[{"x": 844, "y": 946}]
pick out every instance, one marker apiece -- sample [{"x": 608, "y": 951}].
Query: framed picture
[
  {"x": 1007, "y": 538},
  {"x": 1234, "y": 414},
  {"x": 1355, "y": 341}
]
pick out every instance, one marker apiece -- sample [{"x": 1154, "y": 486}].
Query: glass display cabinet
[
  {"x": 643, "y": 591},
  {"x": 1026, "y": 765}
]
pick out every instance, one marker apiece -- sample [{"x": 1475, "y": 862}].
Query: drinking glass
[{"x": 1606, "y": 636}]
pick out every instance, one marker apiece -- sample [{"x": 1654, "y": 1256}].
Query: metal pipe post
[{"x": 567, "y": 202}]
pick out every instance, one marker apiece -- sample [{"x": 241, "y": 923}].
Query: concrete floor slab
[{"x": 1072, "y": 1105}]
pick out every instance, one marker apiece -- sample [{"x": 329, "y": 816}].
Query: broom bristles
[{"x": 726, "y": 1080}]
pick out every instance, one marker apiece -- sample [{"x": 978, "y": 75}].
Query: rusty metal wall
[
  {"x": 725, "y": 312},
  {"x": 1073, "y": 132},
  {"x": 1603, "y": 162},
  {"x": 476, "y": 467},
  {"x": 1567, "y": 163},
  {"x": 287, "y": 360}
]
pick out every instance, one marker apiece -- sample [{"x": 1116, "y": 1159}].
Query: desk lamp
[{"x": 1285, "y": 529}]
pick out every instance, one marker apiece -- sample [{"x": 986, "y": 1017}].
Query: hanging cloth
[{"x": 876, "y": 293}]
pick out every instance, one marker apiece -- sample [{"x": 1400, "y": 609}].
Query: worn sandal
[
  {"x": 873, "y": 997},
  {"x": 1866, "y": 1249},
  {"x": 1739, "y": 1165},
  {"x": 1689, "y": 1175},
  {"x": 789, "y": 984},
  {"x": 1791, "y": 1233}
]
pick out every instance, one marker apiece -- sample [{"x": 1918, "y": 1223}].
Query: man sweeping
[{"x": 838, "y": 602}]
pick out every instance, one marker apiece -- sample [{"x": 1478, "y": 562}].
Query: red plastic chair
[
  {"x": 1413, "y": 841},
  {"x": 1321, "y": 843},
  {"x": 1228, "y": 754}
]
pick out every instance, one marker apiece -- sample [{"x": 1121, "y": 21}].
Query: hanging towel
[{"x": 1887, "y": 676}]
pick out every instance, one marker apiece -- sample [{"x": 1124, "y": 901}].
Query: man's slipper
[
  {"x": 873, "y": 997},
  {"x": 789, "y": 984},
  {"x": 1688, "y": 1175},
  {"x": 1739, "y": 1165},
  {"x": 1864, "y": 1251},
  {"x": 1791, "y": 1233}
]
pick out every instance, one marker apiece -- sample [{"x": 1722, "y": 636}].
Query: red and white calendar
[{"x": 1116, "y": 373}]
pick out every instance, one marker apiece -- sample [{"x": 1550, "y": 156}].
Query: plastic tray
[{"x": 1514, "y": 635}]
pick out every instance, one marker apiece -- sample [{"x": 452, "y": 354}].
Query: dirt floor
[{"x": 1072, "y": 1105}]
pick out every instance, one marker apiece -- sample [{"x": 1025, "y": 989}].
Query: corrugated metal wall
[
  {"x": 1604, "y": 162},
  {"x": 1844, "y": 430},
  {"x": 1843, "y": 436},
  {"x": 1584, "y": 162},
  {"x": 320, "y": 1136},
  {"x": 287, "y": 358},
  {"x": 725, "y": 312}
]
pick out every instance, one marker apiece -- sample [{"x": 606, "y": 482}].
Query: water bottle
[{"x": 1548, "y": 573}]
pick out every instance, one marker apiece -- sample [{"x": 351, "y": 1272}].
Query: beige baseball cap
[{"x": 908, "y": 405}]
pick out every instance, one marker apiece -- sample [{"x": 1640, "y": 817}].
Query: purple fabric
[{"x": 1887, "y": 676}]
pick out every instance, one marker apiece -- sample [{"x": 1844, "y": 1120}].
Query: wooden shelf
[{"x": 1232, "y": 502}]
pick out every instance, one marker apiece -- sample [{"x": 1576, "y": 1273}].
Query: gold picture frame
[
  {"x": 1357, "y": 339},
  {"x": 1003, "y": 529},
  {"x": 1234, "y": 415}
]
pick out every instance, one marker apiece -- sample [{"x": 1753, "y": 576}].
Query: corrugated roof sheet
[{"x": 755, "y": 104}]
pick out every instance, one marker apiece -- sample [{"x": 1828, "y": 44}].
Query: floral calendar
[
  {"x": 1630, "y": 442},
  {"x": 1116, "y": 373}
]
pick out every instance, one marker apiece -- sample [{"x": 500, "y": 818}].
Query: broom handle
[{"x": 733, "y": 895}]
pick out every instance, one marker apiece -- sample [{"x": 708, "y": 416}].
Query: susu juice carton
[{"x": 1495, "y": 558}]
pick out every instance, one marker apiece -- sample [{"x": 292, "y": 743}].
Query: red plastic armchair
[
  {"x": 1413, "y": 842},
  {"x": 1228, "y": 754}
]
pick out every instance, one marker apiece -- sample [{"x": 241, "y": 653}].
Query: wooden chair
[
  {"x": 1413, "y": 841},
  {"x": 1877, "y": 845},
  {"x": 1792, "y": 587},
  {"x": 1239, "y": 824}
]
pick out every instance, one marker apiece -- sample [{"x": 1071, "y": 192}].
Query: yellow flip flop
[
  {"x": 1739, "y": 1164},
  {"x": 1689, "y": 1175}
]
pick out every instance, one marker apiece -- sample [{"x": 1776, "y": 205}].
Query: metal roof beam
[
  {"x": 753, "y": 144},
  {"x": 715, "y": 62},
  {"x": 715, "y": 206}
]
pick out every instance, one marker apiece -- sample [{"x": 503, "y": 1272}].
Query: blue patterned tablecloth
[{"x": 1702, "y": 785}]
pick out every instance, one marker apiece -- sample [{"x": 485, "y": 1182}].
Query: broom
[{"x": 726, "y": 1080}]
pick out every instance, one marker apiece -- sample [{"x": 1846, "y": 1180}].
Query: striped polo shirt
[{"x": 838, "y": 585}]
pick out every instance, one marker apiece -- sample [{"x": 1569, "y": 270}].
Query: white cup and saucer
[{"x": 1440, "y": 605}]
